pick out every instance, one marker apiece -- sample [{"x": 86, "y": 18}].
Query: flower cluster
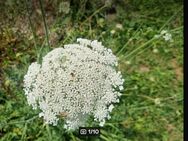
[
  {"x": 165, "y": 35},
  {"x": 77, "y": 81}
]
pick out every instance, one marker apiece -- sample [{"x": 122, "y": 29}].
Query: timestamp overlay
[{"x": 89, "y": 131}]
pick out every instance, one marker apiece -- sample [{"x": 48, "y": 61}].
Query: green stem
[
  {"x": 148, "y": 42},
  {"x": 136, "y": 32},
  {"x": 143, "y": 45},
  {"x": 45, "y": 24},
  {"x": 104, "y": 138},
  {"x": 171, "y": 18},
  {"x": 32, "y": 28},
  {"x": 97, "y": 11},
  {"x": 49, "y": 132},
  {"x": 24, "y": 121},
  {"x": 176, "y": 29},
  {"x": 144, "y": 49},
  {"x": 24, "y": 132},
  {"x": 72, "y": 136}
]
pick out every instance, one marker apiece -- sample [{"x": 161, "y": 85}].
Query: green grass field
[{"x": 151, "y": 107}]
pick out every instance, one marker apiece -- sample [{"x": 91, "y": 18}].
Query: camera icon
[{"x": 83, "y": 132}]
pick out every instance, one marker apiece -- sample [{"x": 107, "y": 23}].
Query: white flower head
[
  {"x": 163, "y": 32},
  {"x": 113, "y": 31},
  {"x": 156, "y": 36},
  {"x": 79, "y": 80},
  {"x": 127, "y": 62},
  {"x": 102, "y": 123},
  {"x": 166, "y": 35},
  {"x": 157, "y": 101},
  {"x": 155, "y": 50},
  {"x": 111, "y": 107},
  {"x": 119, "y": 26}
]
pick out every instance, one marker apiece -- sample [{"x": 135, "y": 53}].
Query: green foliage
[{"x": 151, "y": 107}]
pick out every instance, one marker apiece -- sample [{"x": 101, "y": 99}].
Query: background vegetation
[{"x": 151, "y": 108}]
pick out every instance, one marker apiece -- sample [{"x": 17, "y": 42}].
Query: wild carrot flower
[
  {"x": 78, "y": 80},
  {"x": 167, "y": 36},
  {"x": 119, "y": 26}
]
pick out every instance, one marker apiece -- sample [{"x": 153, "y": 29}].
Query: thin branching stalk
[
  {"x": 32, "y": 28},
  {"x": 49, "y": 132},
  {"x": 147, "y": 43},
  {"x": 91, "y": 16},
  {"x": 140, "y": 52},
  {"x": 72, "y": 136},
  {"x": 176, "y": 29},
  {"x": 135, "y": 34},
  {"x": 152, "y": 39},
  {"x": 24, "y": 121},
  {"x": 104, "y": 138},
  {"x": 143, "y": 45},
  {"x": 24, "y": 132},
  {"x": 45, "y": 24},
  {"x": 170, "y": 19}
]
